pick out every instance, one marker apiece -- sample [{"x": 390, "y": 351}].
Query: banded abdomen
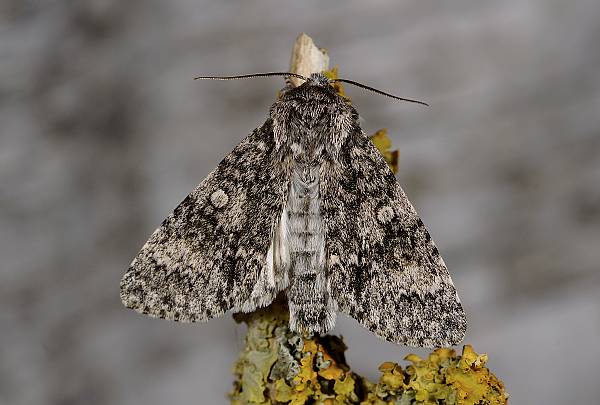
[{"x": 311, "y": 307}]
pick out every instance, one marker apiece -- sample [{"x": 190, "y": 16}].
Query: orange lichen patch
[{"x": 333, "y": 371}]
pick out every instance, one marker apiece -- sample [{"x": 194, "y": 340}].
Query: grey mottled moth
[{"x": 305, "y": 206}]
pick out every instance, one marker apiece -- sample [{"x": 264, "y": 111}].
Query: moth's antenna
[
  {"x": 249, "y": 76},
  {"x": 378, "y": 91}
]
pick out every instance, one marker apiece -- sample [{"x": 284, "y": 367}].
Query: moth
[{"x": 307, "y": 207}]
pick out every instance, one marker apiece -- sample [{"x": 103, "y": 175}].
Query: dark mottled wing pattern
[
  {"x": 206, "y": 256},
  {"x": 384, "y": 269}
]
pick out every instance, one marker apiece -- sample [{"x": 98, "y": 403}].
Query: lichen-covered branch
[{"x": 277, "y": 366}]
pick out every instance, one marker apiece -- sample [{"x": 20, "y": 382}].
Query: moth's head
[
  {"x": 318, "y": 79},
  {"x": 317, "y": 87}
]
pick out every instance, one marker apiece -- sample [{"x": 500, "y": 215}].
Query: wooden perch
[{"x": 307, "y": 58}]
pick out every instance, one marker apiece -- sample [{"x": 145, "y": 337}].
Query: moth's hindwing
[
  {"x": 384, "y": 269},
  {"x": 207, "y": 255}
]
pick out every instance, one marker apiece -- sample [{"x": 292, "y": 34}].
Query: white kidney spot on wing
[
  {"x": 219, "y": 199},
  {"x": 385, "y": 214}
]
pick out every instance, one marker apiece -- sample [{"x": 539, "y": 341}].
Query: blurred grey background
[{"x": 103, "y": 132}]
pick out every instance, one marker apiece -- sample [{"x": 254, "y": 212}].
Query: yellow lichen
[
  {"x": 344, "y": 387},
  {"x": 441, "y": 378},
  {"x": 384, "y": 144},
  {"x": 392, "y": 378},
  {"x": 283, "y": 392}
]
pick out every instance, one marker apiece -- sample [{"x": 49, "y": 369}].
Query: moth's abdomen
[
  {"x": 311, "y": 307},
  {"x": 304, "y": 225}
]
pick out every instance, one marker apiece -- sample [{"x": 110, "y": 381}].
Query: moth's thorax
[{"x": 311, "y": 121}]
